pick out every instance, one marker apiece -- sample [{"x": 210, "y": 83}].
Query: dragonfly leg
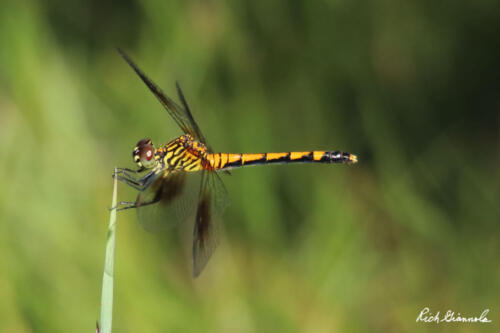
[
  {"x": 125, "y": 172},
  {"x": 126, "y": 204},
  {"x": 133, "y": 204},
  {"x": 120, "y": 170},
  {"x": 139, "y": 181},
  {"x": 132, "y": 182},
  {"x": 139, "y": 184},
  {"x": 146, "y": 177}
]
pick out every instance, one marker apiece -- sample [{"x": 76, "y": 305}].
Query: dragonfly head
[{"x": 144, "y": 154}]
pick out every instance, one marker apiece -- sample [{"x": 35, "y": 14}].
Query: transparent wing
[
  {"x": 212, "y": 202},
  {"x": 170, "y": 199},
  {"x": 181, "y": 115}
]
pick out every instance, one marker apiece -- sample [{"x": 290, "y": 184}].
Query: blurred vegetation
[{"x": 411, "y": 87}]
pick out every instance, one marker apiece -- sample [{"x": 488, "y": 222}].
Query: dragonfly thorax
[
  {"x": 184, "y": 153},
  {"x": 144, "y": 154},
  {"x": 193, "y": 146}
]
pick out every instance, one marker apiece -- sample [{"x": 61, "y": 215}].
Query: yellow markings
[
  {"x": 171, "y": 147},
  {"x": 275, "y": 156},
  {"x": 317, "y": 155},
  {"x": 353, "y": 158},
  {"x": 295, "y": 155},
  {"x": 216, "y": 161},
  {"x": 233, "y": 157},
  {"x": 211, "y": 159},
  {"x": 199, "y": 146},
  {"x": 174, "y": 159},
  {"x": 223, "y": 159},
  {"x": 194, "y": 167},
  {"x": 157, "y": 169},
  {"x": 178, "y": 150},
  {"x": 251, "y": 157}
]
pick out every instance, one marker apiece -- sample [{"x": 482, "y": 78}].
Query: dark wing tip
[
  {"x": 196, "y": 271},
  {"x": 205, "y": 238},
  {"x": 181, "y": 96},
  {"x": 201, "y": 256},
  {"x": 134, "y": 66},
  {"x": 123, "y": 54}
]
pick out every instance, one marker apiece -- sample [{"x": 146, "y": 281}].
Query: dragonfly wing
[
  {"x": 168, "y": 200},
  {"x": 212, "y": 203},
  {"x": 190, "y": 120},
  {"x": 181, "y": 115}
]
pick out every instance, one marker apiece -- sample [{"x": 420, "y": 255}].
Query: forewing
[
  {"x": 170, "y": 199},
  {"x": 192, "y": 124},
  {"x": 212, "y": 202},
  {"x": 181, "y": 115}
]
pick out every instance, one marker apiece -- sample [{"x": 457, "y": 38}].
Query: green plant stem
[{"x": 107, "y": 277}]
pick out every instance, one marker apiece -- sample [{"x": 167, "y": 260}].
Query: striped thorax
[{"x": 184, "y": 153}]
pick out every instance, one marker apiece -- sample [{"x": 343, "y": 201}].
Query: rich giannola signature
[{"x": 450, "y": 316}]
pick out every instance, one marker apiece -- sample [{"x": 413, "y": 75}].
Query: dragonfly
[{"x": 163, "y": 174}]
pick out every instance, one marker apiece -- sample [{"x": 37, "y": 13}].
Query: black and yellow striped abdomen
[
  {"x": 220, "y": 161},
  {"x": 187, "y": 154}
]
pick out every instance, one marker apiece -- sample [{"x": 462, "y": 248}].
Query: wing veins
[{"x": 184, "y": 121}]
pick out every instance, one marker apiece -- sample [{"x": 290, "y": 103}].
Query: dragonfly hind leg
[
  {"x": 140, "y": 184},
  {"x": 134, "y": 204},
  {"x": 126, "y": 204}
]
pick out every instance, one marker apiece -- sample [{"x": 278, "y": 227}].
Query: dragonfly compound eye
[{"x": 144, "y": 153}]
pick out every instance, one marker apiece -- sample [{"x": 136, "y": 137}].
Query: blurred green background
[{"x": 411, "y": 87}]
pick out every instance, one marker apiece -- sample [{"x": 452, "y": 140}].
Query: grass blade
[{"x": 107, "y": 277}]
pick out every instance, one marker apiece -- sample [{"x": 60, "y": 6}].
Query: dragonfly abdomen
[{"x": 220, "y": 161}]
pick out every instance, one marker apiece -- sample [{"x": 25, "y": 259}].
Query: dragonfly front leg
[
  {"x": 139, "y": 184},
  {"x": 126, "y": 175},
  {"x": 118, "y": 170},
  {"x": 126, "y": 172}
]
